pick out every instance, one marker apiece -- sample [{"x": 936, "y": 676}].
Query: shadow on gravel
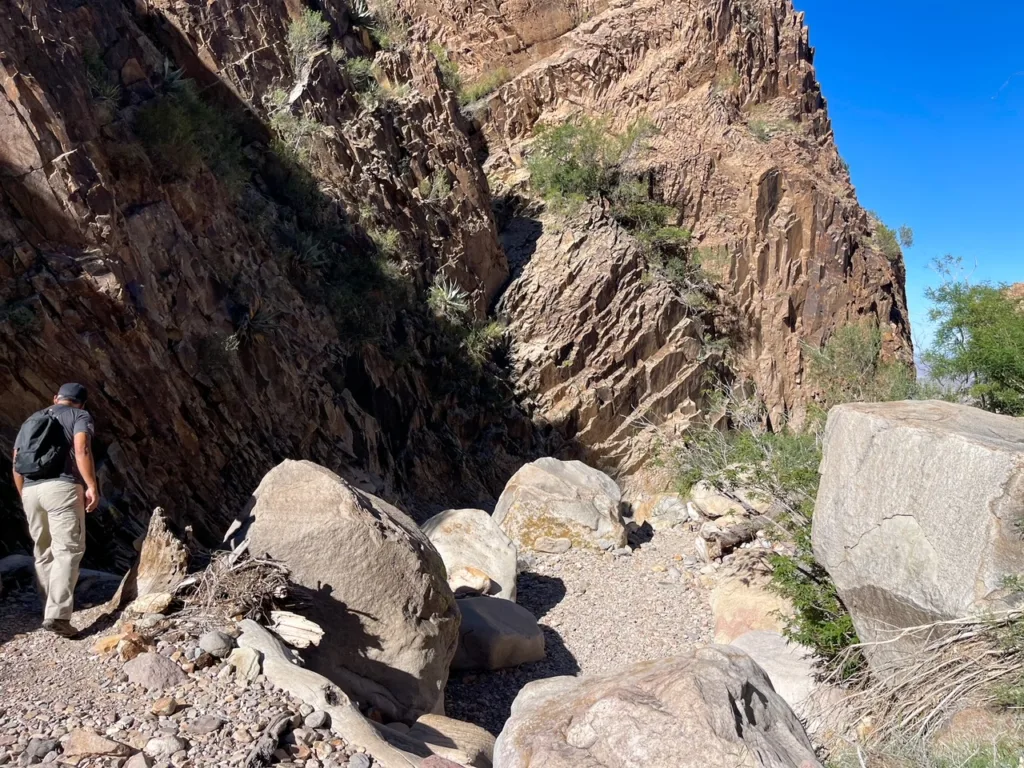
[
  {"x": 539, "y": 594},
  {"x": 485, "y": 698}
]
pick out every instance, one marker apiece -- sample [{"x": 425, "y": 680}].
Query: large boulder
[
  {"x": 375, "y": 585},
  {"x": 161, "y": 566},
  {"x": 470, "y": 539},
  {"x": 918, "y": 515},
  {"x": 495, "y": 634},
  {"x": 710, "y": 707},
  {"x": 554, "y": 499}
]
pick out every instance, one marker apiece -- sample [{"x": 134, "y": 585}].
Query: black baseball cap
[{"x": 75, "y": 392}]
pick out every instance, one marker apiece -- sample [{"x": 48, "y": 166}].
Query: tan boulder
[
  {"x": 495, "y": 634},
  {"x": 916, "y": 518},
  {"x": 709, "y": 707},
  {"x": 473, "y": 548},
  {"x": 562, "y": 500},
  {"x": 374, "y": 583},
  {"x": 741, "y": 601},
  {"x": 465, "y": 743}
]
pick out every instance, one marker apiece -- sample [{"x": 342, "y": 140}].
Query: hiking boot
[{"x": 60, "y": 627}]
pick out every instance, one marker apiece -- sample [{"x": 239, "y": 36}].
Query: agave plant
[
  {"x": 361, "y": 15},
  {"x": 447, "y": 300}
]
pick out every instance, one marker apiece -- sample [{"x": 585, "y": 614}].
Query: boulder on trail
[
  {"x": 917, "y": 516},
  {"x": 555, "y": 499},
  {"x": 374, "y": 583},
  {"x": 495, "y": 634},
  {"x": 709, "y": 707},
  {"x": 471, "y": 539}
]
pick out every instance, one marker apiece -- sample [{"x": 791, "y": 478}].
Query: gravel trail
[{"x": 599, "y": 612}]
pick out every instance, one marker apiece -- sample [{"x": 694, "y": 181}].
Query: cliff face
[
  {"x": 224, "y": 321},
  {"x": 744, "y": 153},
  {"x": 237, "y": 265}
]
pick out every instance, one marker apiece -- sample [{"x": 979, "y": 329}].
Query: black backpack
[{"x": 43, "y": 449}]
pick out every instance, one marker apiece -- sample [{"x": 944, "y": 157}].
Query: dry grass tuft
[
  {"x": 973, "y": 660},
  {"x": 234, "y": 584}
]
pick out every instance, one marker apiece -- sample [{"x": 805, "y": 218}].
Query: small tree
[{"x": 979, "y": 340}]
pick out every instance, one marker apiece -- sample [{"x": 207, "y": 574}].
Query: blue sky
[{"x": 927, "y": 104}]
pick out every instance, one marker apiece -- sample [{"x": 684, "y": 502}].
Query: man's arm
[
  {"x": 87, "y": 469},
  {"x": 19, "y": 480}
]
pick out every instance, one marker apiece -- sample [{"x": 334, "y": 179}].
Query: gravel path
[
  {"x": 51, "y": 686},
  {"x": 599, "y": 612}
]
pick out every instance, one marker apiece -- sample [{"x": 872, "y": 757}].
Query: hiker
[{"x": 56, "y": 478}]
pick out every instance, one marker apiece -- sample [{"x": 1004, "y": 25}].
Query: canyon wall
[{"x": 264, "y": 297}]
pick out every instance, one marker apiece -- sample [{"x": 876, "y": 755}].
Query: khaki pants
[{"x": 56, "y": 519}]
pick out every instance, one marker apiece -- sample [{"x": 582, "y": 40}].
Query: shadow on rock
[{"x": 485, "y": 698}]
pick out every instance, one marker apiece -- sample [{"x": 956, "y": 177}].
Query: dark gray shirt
[{"x": 74, "y": 420}]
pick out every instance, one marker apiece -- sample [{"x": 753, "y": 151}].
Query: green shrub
[
  {"x": 850, "y": 368},
  {"x": 256, "y": 325},
  {"x": 388, "y": 241},
  {"x": 307, "y": 36},
  {"x": 485, "y": 85},
  {"x": 295, "y": 133},
  {"x": 764, "y": 130},
  {"x": 182, "y": 133},
  {"x": 436, "y": 187},
  {"x": 575, "y": 161},
  {"x": 450, "y": 77},
  {"x": 360, "y": 73},
  {"x": 979, "y": 341},
  {"x": 482, "y": 340},
  {"x": 389, "y": 26},
  {"x": 889, "y": 241},
  {"x": 447, "y": 300}
]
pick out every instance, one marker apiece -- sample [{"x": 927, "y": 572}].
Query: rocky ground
[
  {"x": 56, "y": 690},
  {"x": 598, "y": 611}
]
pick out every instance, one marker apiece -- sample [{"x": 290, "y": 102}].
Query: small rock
[
  {"x": 154, "y": 672},
  {"x": 206, "y": 724},
  {"x": 216, "y": 644},
  {"x": 40, "y": 748},
  {"x": 107, "y": 644},
  {"x": 362, "y": 761},
  {"x": 86, "y": 743},
  {"x": 164, "y": 746},
  {"x": 246, "y": 663},
  {"x": 139, "y": 760},
  {"x": 204, "y": 660},
  {"x": 317, "y": 719},
  {"x": 550, "y": 546},
  {"x": 155, "y": 602},
  {"x": 623, "y": 552},
  {"x": 164, "y": 707}
]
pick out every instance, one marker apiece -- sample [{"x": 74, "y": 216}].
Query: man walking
[{"x": 56, "y": 478}]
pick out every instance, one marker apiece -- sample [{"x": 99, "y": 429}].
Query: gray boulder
[
  {"x": 154, "y": 672},
  {"x": 917, "y": 517},
  {"x": 496, "y": 634},
  {"x": 709, "y": 707},
  {"x": 469, "y": 539},
  {"x": 555, "y": 499},
  {"x": 374, "y": 583}
]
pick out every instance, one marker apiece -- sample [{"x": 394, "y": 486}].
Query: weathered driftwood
[{"x": 394, "y": 751}]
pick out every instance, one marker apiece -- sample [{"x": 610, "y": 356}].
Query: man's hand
[{"x": 92, "y": 499}]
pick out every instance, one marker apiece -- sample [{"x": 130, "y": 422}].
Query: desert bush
[
  {"x": 182, "y": 133},
  {"x": 450, "y": 76},
  {"x": 764, "y": 130},
  {"x": 482, "y": 340},
  {"x": 295, "y": 133},
  {"x": 447, "y": 300},
  {"x": 103, "y": 86},
  {"x": 890, "y": 241},
  {"x": 307, "y": 36},
  {"x": 851, "y": 368},
  {"x": 486, "y": 84},
  {"x": 360, "y": 73},
  {"x": 436, "y": 186},
  {"x": 979, "y": 340},
  {"x": 388, "y": 241}
]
